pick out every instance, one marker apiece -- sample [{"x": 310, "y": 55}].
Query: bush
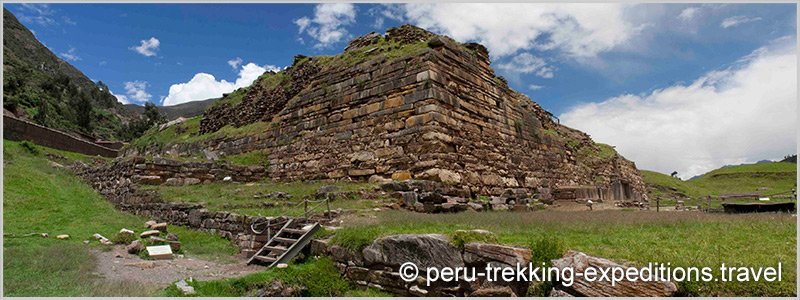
[
  {"x": 121, "y": 238},
  {"x": 30, "y": 147},
  {"x": 460, "y": 238},
  {"x": 544, "y": 249}
]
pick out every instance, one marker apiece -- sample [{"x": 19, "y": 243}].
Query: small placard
[{"x": 160, "y": 252}]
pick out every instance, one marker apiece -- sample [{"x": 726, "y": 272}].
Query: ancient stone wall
[
  {"x": 439, "y": 114},
  {"x": 119, "y": 183},
  {"x": 20, "y": 130}
]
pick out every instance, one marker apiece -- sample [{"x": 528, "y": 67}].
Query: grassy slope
[
  {"x": 682, "y": 239},
  {"x": 776, "y": 177},
  {"x": 224, "y": 196},
  {"x": 40, "y": 198}
]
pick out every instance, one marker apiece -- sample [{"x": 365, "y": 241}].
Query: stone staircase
[{"x": 285, "y": 244}]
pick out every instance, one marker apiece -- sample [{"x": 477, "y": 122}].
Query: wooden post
[
  {"x": 305, "y": 208},
  {"x": 328, "y": 205},
  {"x": 658, "y": 204}
]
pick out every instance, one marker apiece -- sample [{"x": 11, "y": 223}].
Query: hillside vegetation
[
  {"x": 38, "y": 197},
  {"x": 765, "y": 178},
  {"x": 39, "y": 86}
]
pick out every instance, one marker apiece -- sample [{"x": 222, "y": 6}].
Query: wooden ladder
[{"x": 285, "y": 245}]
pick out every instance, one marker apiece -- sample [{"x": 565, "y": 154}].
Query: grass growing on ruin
[
  {"x": 40, "y": 198},
  {"x": 188, "y": 132},
  {"x": 315, "y": 278},
  {"x": 682, "y": 239},
  {"x": 239, "y": 198},
  {"x": 256, "y": 157}
]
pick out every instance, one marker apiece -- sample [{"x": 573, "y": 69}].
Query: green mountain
[
  {"x": 39, "y": 86},
  {"x": 765, "y": 178},
  {"x": 186, "y": 110}
]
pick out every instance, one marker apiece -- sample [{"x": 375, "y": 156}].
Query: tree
[
  {"x": 84, "y": 112},
  {"x": 152, "y": 114}
]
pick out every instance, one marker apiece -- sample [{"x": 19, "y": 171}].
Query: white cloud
[
  {"x": 736, "y": 20},
  {"x": 526, "y": 63},
  {"x": 102, "y": 63},
  {"x": 205, "y": 86},
  {"x": 688, "y": 13},
  {"x": 579, "y": 30},
  {"x": 234, "y": 63},
  {"x": 327, "y": 26},
  {"x": 39, "y": 13},
  {"x": 535, "y": 87},
  {"x": 744, "y": 113},
  {"x": 136, "y": 91},
  {"x": 70, "y": 55},
  {"x": 148, "y": 47},
  {"x": 121, "y": 98},
  {"x": 69, "y": 21}
]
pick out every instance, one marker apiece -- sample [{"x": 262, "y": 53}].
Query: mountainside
[
  {"x": 40, "y": 86},
  {"x": 186, "y": 110},
  {"x": 765, "y": 178},
  {"x": 407, "y": 104}
]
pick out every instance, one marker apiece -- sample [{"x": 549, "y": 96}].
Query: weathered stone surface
[
  {"x": 499, "y": 291},
  {"x": 479, "y": 253},
  {"x": 425, "y": 250},
  {"x": 185, "y": 287},
  {"x": 579, "y": 262},
  {"x": 149, "y": 233},
  {"x": 134, "y": 248}
]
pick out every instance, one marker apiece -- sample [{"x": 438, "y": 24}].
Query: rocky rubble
[{"x": 378, "y": 266}]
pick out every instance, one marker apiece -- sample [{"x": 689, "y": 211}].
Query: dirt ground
[{"x": 117, "y": 264}]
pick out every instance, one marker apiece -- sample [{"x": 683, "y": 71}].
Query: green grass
[
  {"x": 682, "y": 239},
  {"x": 766, "y": 178},
  {"x": 239, "y": 197},
  {"x": 315, "y": 278},
  {"x": 257, "y": 157},
  {"x": 188, "y": 132},
  {"x": 40, "y": 198}
]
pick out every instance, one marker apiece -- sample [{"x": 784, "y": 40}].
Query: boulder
[
  {"x": 321, "y": 192},
  {"x": 149, "y": 233},
  {"x": 184, "y": 287},
  {"x": 174, "y": 245},
  {"x": 400, "y": 176},
  {"x": 134, "y": 248},
  {"x": 579, "y": 262},
  {"x": 479, "y": 253},
  {"x": 160, "y": 227},
  {"x": 149, "y": 224},
  {"x": 172, "y": 237},
  {"x": 409, "y": 198},
  {"x": 431, "y": 197},
  {"x": 378, "y": 179},
  {"x": 154, "y": 240},
  {"x": 425, "y": 250}
]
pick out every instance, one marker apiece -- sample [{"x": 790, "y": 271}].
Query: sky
[{"x": 674, "y": 87}]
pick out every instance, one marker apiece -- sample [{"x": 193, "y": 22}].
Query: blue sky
[{"x": 620, "y": 72}]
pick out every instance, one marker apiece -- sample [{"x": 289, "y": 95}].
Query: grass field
[
  {"x": 239, "y": 198},
  {"x": 40, "y": 198},
  {"x": 682, "y": 239}
]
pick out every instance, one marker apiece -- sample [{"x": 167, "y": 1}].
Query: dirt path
[{"x": 117, "y": 264}]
